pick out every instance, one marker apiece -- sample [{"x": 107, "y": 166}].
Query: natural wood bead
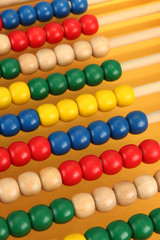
[
  {"x": 104, "y": 198},
  {"x": 82, "y": 50},
  {"x": 46, "y": 59},
  {"x": 9, "y": 190},
  {"x": 64, "y": 54},
  {"x": 146, "y": 186},
  {"x": 157, "y": 177},
  {"x": 100, "y": 46},
  {"x": 29, "y": 183},
  {"x": 28, "y": 63},
  {"x": 125, "y": 192},
  {"x": 50, "y": 178},
  {"x": 5, "y": 45},
  {"x": 83, "y": 204}
]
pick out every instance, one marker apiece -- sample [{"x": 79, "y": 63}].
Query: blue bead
[
  {"x": 138, "y": 122},
  {"x": 61, "y": 8},
  {"x": 27, "y": 15},
  {"x": 60, "y": 142},
  {"x": 10, "y": 19},
  {"x": 29, "y": 120},
  {"x": 44, "y": 11},
  {"x": 79, "y": 6},
  {"x": 99, "y": 131},
  {"x": 119, "y": 127},
  {"x": 9, "y": 125},
  {"x": 80, "y": 137}
]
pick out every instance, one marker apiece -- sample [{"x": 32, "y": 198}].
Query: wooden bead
[
  {"x": 28, "y": 63},
  {"x": 50, "y": 178},
  {"x": 64, "y": 54},
  {"x": 125, "y": 192},
  {"x": 46, "y": 59},
  {"x": 157, "y": 177},
  {"x": 100, "y": 46},
  {"x": 146, "y": 186},
  {"x": 29, "y": 183},
  {"x": 82, "y": 50},
  {"x": 9, "y": 190},
  {"x": 84, "y": 205},
  {"x": 105, "y": 199},
  {"x": 5, "y": 45}
]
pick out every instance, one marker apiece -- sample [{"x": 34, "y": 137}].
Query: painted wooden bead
[
  {"x": 10, "y": 68},
  {"x": 46, "y": 59},
  {"x": 74, "y": 236},
  {"x": 27, "y": 14},
  {"x": 54, "y": 32},
  {"x": 157, "y": 177},
  {"x": 146, "y": 186},
  {"x": 44, "y": 11},
  {"x": 36, "y": 36},
  {"x": 124, "y": 95},
  {"x": 72, "y": 28},
  {"x": 96, "y": 233},
  {"x": 50, "y": 178},
  {"x": 57, "y": 83},
  {"x": 87, "y": 105},
  {"x": 155, "y": 217},
  {"x": 9, "y": 190},
  {"x": 138, "y": 122},
  {"x": 48, "y": 114},
  {"x": 84, "y": 205},
  {"x": 150, "y": 151},
  {"x": 20, "y": 93},
  {"x": 5, "y": 160},
  {"x": 10, "y": 18},
  {"x": 19, "y": 40},
  {"x": 82, "y": 50},
  {"x": 68, "y": 110},
  {"x": 75, "y": 79},
  {"x": 9, "y": 125},
  {"x": 61, "y": 8},
  {"x": 112, "y": 70},
  {"x": 4, "y": 233},
  {"x": 105, "y": 199},
  {"x": 94, "y": 74},
  {"x": 39, "y": 88},
  {"x": 29, "y": 120},
  {"x": 125, "y": 192},
  {"x": 64, "y": 54},
  {"x": 106, "y": 100},
  {"x": 100, "y": 46},
  {"x": 28, "y": 63},
  {"x": 5, "y": 45},
  {"x": 78, "y": 6},
  {"x": 5, "y": 98},
  {"x": 119, "y": 229},
  {"x": 89, "y": 24}
]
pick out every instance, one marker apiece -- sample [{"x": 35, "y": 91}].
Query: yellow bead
[
  {"x": 48, "y": 114},
  {"x": 75, "y": 236},
  {"x": 106, "y": 100},
  {"x": 87, "y": 105},
  {"x": 5, "y": 98},
  {"x": 67, "y": 109},
  {"x": 125, "y": 95},
  {"x": 20, "y": 92}
]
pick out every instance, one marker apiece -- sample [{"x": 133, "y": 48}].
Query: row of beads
[
  {"x": 47, "y": 59},
  {"x": 43, "y": 11},
  {"x": 78, "y": 138},
  {"x": 139, "y": 226},
  {"x": 36, "y": 37},
  {"x": 74, "y": 79},
  {"x": 71, "y": 172},
  {"x": 81, "y": 205}
]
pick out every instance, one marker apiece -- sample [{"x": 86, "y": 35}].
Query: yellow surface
[
  {"x": 124, "y": 95},
  {"x": 147, "y": 104},
  {"x": 20, "y": 93},
  {"x": 48, "y": 114}
]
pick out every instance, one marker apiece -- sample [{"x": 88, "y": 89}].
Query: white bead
[
  {"x": 28, "y": 63},
  {"x": 5, "y": 45},
  {"x": 9, "y": 190},
  {"x": 46, "y": 59},
  {"x": 64, "y": 54},
  {"x": 100, "y": 46},
  {"x": 82, "y": 50}
]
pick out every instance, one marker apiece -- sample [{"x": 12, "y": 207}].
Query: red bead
[
  {"x": 40, "y": 148},
  {"x": 71, "y": 172},
  {"x": 150, "y": 151},
  {"x": 72, "y": 28},
  {"x": 19, "y": 40},
  {"x": 20, "y": 153},
  {"x": 1, "y": 24},
  {"x": 91, "y": 167},
  {"x": 5, "y": 160},
  {"x": 111, "y": 161},
  {"x": 54, "y": 33},
  {"x": 89, "y": 24},
  {"x": 36, "y": 37},
  {"x": 131, "y": 155}
]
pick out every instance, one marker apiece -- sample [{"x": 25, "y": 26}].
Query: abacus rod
[
  {"x": 153, "y": 117},
  {"x": 147, "y": 89},
  {"x": 93, "y": 2}
]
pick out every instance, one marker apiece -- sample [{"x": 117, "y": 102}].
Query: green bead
[
  {"x": 119, "y": 230},
  {"x": 39, "y": 88},
  {"x": 141, "y": 225},
  {"x": 41, "y": 217},
  {"x": 76, "y": 79},
  {"x": 155, "y": 216},
  {"x": 94, "y": 74},
  {"x": 19, "y": 223},
  {"x": 10, "y": 68},
  {"x": 112, "y": 70},
  {"x": 4, "y": 231},
  {"x": 57, "y": 83},
  {"x": 97, "y": 233},
  {"x": 62, "y": 210}
]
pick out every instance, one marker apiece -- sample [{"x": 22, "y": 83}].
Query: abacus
[{"x": 79, "y": 119}]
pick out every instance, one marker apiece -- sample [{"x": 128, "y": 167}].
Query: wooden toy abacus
[{"x": 132, "y": 30}]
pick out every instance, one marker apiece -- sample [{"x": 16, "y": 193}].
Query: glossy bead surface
[
  {"x": 124, "y": 95},
  {"x": 57, "y": 83},
  {"x": 9, "y": 125},
  {"x": 44, "y": 11},
  {"x": 39, "y": 88},
  {"x": 60, "y": 142},
  {"x": 1, "y": 24},
  {"x": 96, "y": 233},
  {"x": 75, "y": 79},
  {"x": 157, "y": 178},
  {"x": 87, "y": 104},
  {"x": 40, "y": 217},
  {"x": 18, "y": 40},
  {"x": 112, "y": 70},
  {"x": 5, "y": 44},
  {"x": 46, "y": 59},
  {"x": 10, "y": 68},
  {"x": 119, "y": 230},
  {"x": 71, "y": 172},
  {"x": 80, "y": 137},
  {"x": 54, "y": 32},
  {"x": 94, "y": 74},
  {"x": 36, "y": 37},
  {"x": 68, "y": 110},
  {"x": 29, "y": 120},
  {"x": 150, "y": 151},
  {"x": 5, "y": 98},
  {"x": 61, "y": 8},
  {"x": 74, "y": 236},
  {"x": 138, "y": 122},
  {"x": 20, "y": 93},
  {"x": 10, "y": 18},
  {"x": 48, "y": 114},
  {"x": 106, "y": 100},
  {"x": 28, "y": 63},
  {"x": 89, "y": 24},
  {"x": 27, "y": 15},
  {"x": 62, "y": 210},
  {"x": 9, "y": 190},
  {"x": 5, "y": 160},
  {"x": 72, "y": 28},
  {"x": 40, "y": 148},
  {"x": 4, "y": 233},
  {"x": 155, "y": 217},
  {"x": 100, "y": 46},
  {"x": 20, "y": 153},
  {"x": 78, "y": 6},
  {"x": 82, "y": 50},
  {"x": 64, "y": 54}
]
